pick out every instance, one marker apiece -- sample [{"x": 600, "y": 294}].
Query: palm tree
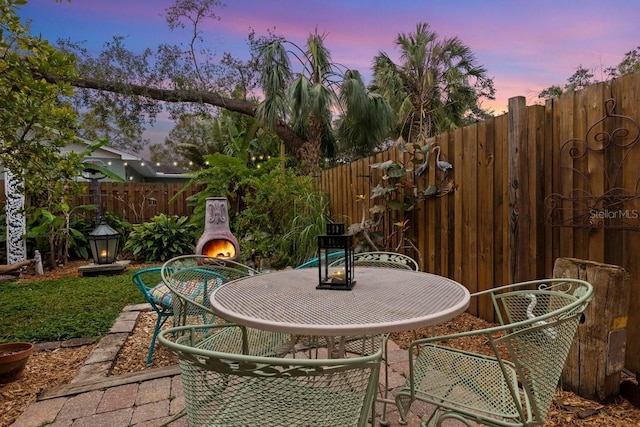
[
  {"x": 436, "y": 85},
  {"x": 309, "y": 99}
]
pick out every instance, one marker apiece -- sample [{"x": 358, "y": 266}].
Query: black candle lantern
[
  {"x": 335, "y": 259},
  {"x": 104, "y": 242}
]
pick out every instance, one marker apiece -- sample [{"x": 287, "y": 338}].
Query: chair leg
[
  {"x": 385, "y": 361},
  {"x": 177, "y": 416},
  {"x": 162, "y": 319}
]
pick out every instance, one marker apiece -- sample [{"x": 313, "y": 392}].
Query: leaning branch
[{"x": 291, "y": 140}]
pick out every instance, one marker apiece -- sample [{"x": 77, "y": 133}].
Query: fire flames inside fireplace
[{"x": 219, "y": 248}]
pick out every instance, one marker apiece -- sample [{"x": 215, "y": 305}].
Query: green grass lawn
[{"x": 60, "y": 309}]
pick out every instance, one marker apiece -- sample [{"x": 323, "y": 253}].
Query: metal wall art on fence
[{"x": 599, "y": 180}]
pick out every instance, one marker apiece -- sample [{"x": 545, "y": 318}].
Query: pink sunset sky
[{"x": 525, "y": 45}]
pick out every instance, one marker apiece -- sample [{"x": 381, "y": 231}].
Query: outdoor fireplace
[{"x": 217, "y": 239}]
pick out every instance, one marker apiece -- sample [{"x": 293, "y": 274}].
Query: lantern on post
[
  {"x": 335, "y": 271},
  {"x": 104, "y": 242}
]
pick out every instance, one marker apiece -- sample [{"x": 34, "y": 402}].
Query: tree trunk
[{"x": 309, "y": 153}]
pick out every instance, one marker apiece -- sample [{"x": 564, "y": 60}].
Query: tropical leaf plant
[{"x": 162, "y": 238}]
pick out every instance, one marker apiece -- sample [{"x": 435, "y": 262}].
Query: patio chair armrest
[{"x": 137, "y": 276}]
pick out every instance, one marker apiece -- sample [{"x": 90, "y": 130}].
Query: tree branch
[{"x": 292, "y": 141}]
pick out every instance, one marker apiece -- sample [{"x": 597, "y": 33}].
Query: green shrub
[
  {"x": 162, "y": 238},
  {"x": 282, "y": 217}
]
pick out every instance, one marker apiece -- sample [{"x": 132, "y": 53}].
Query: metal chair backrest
[
  {"x": 224, "y": 385},
  {"x": 540, "y": 325},
  {"x": 382, "y": 259},
  {"x": 192, "y": 278},
  {"x": 313, "y": 262}
]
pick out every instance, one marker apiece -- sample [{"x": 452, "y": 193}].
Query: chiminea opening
[
  {"x": 217, "y": 240},
  {"x": 219, "y": 249}
]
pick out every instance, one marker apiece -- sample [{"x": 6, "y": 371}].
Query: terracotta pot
[{"x": 13, "y": 359}]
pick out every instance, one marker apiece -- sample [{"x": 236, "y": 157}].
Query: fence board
[
  {"x": 501, "y": 201},
  {"x": 470, "y": 207},
  {"x": 564, "y": 122},
  {"x": 628, "y": 95},
  {"x": 448, "y": 213},
  {"x": 579, "y": 126},
  {"x": 486, "y": 232},
  {"x": 519, "y": 191},
  {"x": 595, "y": 111},
  {"x": 431, "y": 249},
  {"x": 458, "y": 200},
  {"x": 550, "y": 177},
  {"x": 536, "y": 170}
]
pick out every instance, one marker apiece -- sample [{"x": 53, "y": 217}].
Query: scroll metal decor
[{"x": 615, "y": 203}]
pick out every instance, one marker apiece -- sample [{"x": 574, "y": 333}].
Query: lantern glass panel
[{"x": 104, "y": 242}]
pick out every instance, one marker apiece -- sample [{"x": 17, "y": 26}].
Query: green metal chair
[
  {"x": 225, "y": 385},
  {"x": 381, "y": 259},
  {"x": 158, "y": 295},
  {"x": 514, "y": 383},
  {"x": 192, "y": 278}
]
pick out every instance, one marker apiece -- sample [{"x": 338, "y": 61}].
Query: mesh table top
[{"x": 383, "y": 300}]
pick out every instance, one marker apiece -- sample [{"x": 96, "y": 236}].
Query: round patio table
[{"x": 383, "y": 300}]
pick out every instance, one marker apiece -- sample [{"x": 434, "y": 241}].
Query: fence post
[
  {"x": 596, "y": 358},
  {"x": 520, "y": 221}
]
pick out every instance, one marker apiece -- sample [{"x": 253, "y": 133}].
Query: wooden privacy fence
[
  {"x": 529, "y": 186},
  {"x": 137, "y": 202}
]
